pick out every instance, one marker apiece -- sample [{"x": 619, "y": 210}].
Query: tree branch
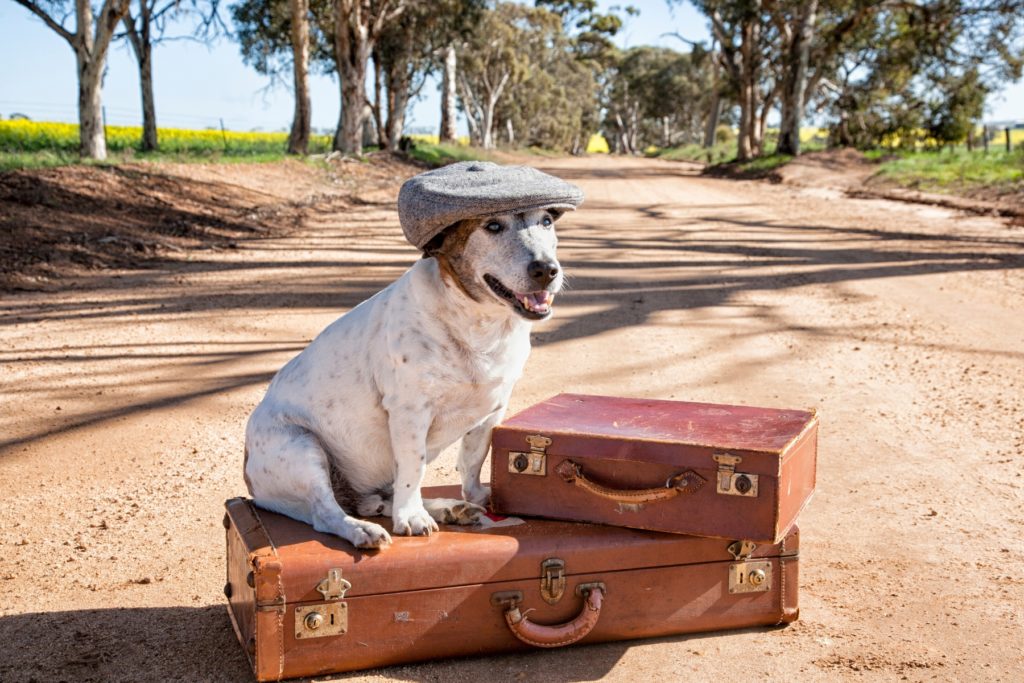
[{"x": 48, "y": 20}]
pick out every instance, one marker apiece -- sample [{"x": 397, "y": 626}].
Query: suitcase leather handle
[
  {"x": 557, "y": 635},
  {"x": 684, "y": 482}
]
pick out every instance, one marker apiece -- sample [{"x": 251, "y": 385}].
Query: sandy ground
[{"x": 124, "y": 399}]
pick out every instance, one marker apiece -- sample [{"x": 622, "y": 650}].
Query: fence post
[
  {"x": 984, "y": 138},
  {"x": 1007, "y": 131},
  {"x": 970, "y": 138}
]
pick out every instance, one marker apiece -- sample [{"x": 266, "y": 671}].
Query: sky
[{"x": 197, "y": 86}]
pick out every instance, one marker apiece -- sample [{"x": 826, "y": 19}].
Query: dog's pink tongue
[{"x": 539, "y": 302}]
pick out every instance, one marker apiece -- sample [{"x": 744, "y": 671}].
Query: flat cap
[{"x": 430, "y": 202}]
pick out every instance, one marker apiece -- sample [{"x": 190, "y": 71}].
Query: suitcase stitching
[
  {"x": 782, "y": 583},
  {"x": 279, "y": 594}
]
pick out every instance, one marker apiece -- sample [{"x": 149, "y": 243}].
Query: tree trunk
[
  {"x": 713, "y": 117},
  {"x": 149, "y": 131},
  {"x": 398, "y": 83},
  {"x": 298, "y": 139},
  {"x": 140, "y": 38},
  {"x": 448, "y": 114},
  {"x": 91, "y": 135},
  {"x": 487, "y": 125},
  {"x": 352, "y": 47},
  {"x": 794, "y": 82}
]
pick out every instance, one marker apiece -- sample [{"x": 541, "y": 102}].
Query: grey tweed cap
[{"x": 430, "y": 202}]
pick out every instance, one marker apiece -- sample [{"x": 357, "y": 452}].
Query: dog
[{"x": 351, "y": 423}]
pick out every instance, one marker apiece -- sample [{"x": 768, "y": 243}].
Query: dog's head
[{"x": 503, "y": 260}]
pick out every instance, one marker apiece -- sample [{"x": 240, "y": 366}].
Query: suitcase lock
[
  {"x": 552, "y": 580},
  {"x": 731, "y": 482},
  {"x": 746, "y": 575},
  {"x": 329, "y": 618},
  {"x": 533, "y": 462}
]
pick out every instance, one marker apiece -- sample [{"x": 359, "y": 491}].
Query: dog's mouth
[{"x": 532, "y": 305}]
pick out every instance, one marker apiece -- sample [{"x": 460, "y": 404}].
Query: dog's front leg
[
  {"x": 409, "y": 446},
  {"x": 472, "y": 454}
]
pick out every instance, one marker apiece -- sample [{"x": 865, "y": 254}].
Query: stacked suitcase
[{"x": 639, "y": 518}]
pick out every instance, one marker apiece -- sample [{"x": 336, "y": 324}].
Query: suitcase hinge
[
  {"x": 552, "y": 580},
  {"x": 731, "y": 482},
  {"x": 746, "y": 575},
  {"x": 533, "y": 462}
]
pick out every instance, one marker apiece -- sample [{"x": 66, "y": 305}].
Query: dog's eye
[
  {"x": 495, "y": 226},
  {"x": 547, "y": 221}
]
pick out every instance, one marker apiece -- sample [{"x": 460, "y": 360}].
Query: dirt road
[{"x": 124, "y": 401}]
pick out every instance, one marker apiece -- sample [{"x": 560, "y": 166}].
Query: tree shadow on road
[{"x": 198, "y": 644}]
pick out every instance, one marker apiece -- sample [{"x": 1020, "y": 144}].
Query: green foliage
[
  {"x": 921, "y": 71},
  {"x": 552, "y": 104},
  {"x": 657, "y": 96},
  {"x": 434, "y": 154},
  {"x": 953, "y": 171},
  {"x": 722, "y": 152}
]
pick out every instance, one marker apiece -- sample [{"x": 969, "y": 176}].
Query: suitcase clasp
[
  {"x": 731, "y": 482},
  {"x": 552, "y": 580},
  {"x": 746, "y": 575},
  {"x": 334, "y": 586},
  {"x": 533, "y": 462}
]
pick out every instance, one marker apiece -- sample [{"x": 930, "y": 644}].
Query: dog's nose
[{"x": 542, "y": 272}]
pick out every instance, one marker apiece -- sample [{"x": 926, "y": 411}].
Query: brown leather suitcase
[
  {"x": 304, "y": 603},
  {"x": 688, "y": 468}
]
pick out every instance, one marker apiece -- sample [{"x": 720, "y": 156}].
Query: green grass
[
  {"x": 434, "y": 154},
  {"x": 764, "y": 165},
  {"x": 10, "y": 161},
  {"x": 955, "y": 171},
  {"x": 720, "y": 153}
]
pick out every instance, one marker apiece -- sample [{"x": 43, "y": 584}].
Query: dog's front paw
[
  {"x": 478, "y": 495},
  {"x": 369, "y": 535},
  {"x": 414, "y": 523}
]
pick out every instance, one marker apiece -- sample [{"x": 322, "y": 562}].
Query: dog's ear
[
  {"x": 450, "y": 239},
  {"x": 436, "y": 243}
]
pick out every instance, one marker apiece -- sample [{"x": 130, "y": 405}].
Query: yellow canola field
[{"x": 30, "y": 136}]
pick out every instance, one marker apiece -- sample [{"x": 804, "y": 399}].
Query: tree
[
  {"x": 796, "y": 27},
  {"x": 146, "y": 28},
  {"x": 90, "y": 41},
  {"x": 494, "y": 59},
  {"x": 658, "y": 97},
  {"x": 298, "y": 137},
  {"x": 409, "y": 49},
  {"x": 277, "y": 42},
  {"x": 551, "y": 106},
  {"x": 357, "y": 26}
]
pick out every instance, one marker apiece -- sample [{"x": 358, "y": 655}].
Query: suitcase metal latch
[
  {"x": 731, "y": 482},
  {"x": 535, "y": 461},
  {"x": 552, "y": 580},
  {"x": 327, "y": 619},
  {"x": 334, "y": 586},
  {"x": 746, "y": 575}
]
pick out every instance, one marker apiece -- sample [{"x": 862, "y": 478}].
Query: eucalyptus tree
[{"x": 90, "y": 39}]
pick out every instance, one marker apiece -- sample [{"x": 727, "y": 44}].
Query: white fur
[{"x": 386, "y": 387}]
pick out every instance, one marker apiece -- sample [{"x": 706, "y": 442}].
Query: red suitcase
[
  {"x": 305, "y": 604},
  {"x": 686, "y": 468}
]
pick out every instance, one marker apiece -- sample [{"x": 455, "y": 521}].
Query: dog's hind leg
[{"x": 288, "y": 472}]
